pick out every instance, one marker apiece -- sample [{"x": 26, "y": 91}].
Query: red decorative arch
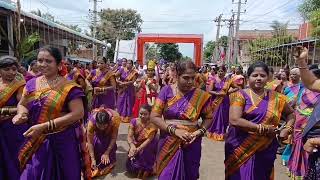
[{"x": 196, "y": 39}]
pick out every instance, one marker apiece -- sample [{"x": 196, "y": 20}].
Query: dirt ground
[{"x": 212, "y": 167}]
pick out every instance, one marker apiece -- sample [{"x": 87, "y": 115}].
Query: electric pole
[
  {"x": 216, "y": 48},
  {"x": 94, "y": 28},
  {"x": 230, "y": 41},
  {"x": 236, "y": 44}
]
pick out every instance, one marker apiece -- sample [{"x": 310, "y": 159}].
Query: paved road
[{"x": 212, "y": 166}]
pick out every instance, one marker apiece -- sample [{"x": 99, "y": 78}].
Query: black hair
[
  {"x": 223, "y": 67},
  {"x": 54, "y": 52},
  {"x": 146, "y": 107},
  {"x": 7, "y": 61},
  {"x": 315, "y": 70},
  {"x": 182, "y": 66},
  {"x": 104, "y": 59},
  {"x": 255, "y": 65},
  {"x": 130, "y": 61},
  {"x": 34, "y": 62},
  {"x": 124, "y": 59},
  {"x": 271, "y": 70},
  {"x": 103, "y": 117}
]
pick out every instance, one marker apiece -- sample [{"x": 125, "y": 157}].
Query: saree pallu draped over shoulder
[
  {"x": 248, "y": 155},
  {"x": 142, "y": 164},
  {"x": 11, "y": 136},
  {"x": 45, "y": 104},
  {"x": 100, "y": 79},
  {"x": 175, "y": 160},
  {"x": 7, "y": 92},
  {"x": 126, "y": 95},
  {"x": 221, "y": 105}
]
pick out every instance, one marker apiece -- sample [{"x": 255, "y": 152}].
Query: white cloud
[{"x": 177, "y": 16}]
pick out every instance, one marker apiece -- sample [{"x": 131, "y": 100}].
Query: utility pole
[
  {"x": 94, "y": 28},
  {"x": 18, "y": 31},
  {"x": 230, "y": 42},
  {"x": 216, "y": 48},
  {"x": 236, "y": 44}
]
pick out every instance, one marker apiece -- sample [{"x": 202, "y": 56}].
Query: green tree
[
  {"x": 209, "y": 50},
  {"x": 223, "y": 41},
  {"x": 118, "y": 24},
  {"x": 170, "y": 52},
  {"x": 151, "y": 51},
  {"x": 186, "y": 58},
  {"x": 315, "y": 21},
  {"x": 27, "y": 50},
  {"x": 308, "y": 6},
  {"x": 310, "y": 10}
]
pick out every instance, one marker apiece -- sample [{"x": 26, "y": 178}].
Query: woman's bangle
[
  {"x": 171, "y": 129},
  {"x": 203, "y": 131}
]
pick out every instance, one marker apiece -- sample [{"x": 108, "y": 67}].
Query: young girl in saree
[
  {"x": 143, "y": 144},
  {"x": 102, "y": 135},
  {"x": 176, "y": 113},
  {"x": 126, "y": 91},
  {"x": 11, "y": 136},
  {"x": 104, "y": 85},
  {"x": 55, "y": 147},
  {"x": 251, "y": 143}
]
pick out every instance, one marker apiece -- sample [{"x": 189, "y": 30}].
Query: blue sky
[{"x": 177, "y": 16}]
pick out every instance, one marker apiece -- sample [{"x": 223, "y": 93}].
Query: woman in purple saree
[
  {"x": 218, "y": 87},
  {"x": 143, "y": 144},
  {"x": 181, "y": 105},
  {"x": 54, "y": 147},
  {"x": 251, "y": 144},
  {"x": 11, "y": 136},
  {"x": 126, "y": 91},
  {"x": 104, "y": 84},
  {"x": 102, "y": 136}
]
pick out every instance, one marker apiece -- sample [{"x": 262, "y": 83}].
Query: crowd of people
[{"x": 60, "y": 119}]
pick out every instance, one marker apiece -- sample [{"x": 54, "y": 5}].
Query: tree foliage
[
  {"x": 186, "y": 58},
  {"x": 315, "y": 21},
  {"x": 169, "y": 52},
  {"x": 151, "y": 52},
  {"x": 308, "y": 6},
  {"x": 118, "y": 23},
  {"x": 310, "y": 9},
  {"x": 208, "y": 50},
  {"x": 27, "y": 50}
]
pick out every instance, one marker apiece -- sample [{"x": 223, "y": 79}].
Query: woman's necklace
[
  {"x": 44, "y": 83},
  {"x": 260, "y": 97}
]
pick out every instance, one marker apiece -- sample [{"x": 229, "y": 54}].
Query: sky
[{"x": 178, "y": 16}]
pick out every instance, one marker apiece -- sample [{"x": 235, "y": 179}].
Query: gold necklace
[
  {"x": 258, "y": 96},
  {"x": 47, "y": 83}
]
